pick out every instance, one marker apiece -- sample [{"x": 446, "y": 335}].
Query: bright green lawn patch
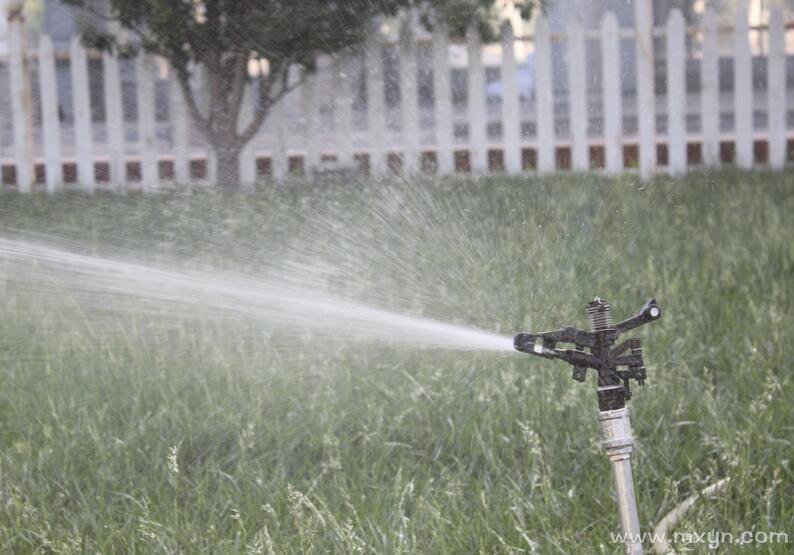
[{"x": 123, "y": 431}]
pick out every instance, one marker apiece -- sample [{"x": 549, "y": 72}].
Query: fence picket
[
  {"x": 776, "y": 94},
  {"x": 343, "y": 112},
  {"x": 114, "y": 118},
  {"x": 477, "y": 111},
  {"x": 180, "y": 127},
  {"x": 442, "y": 101},
  {"x": 545, "y": 97},
  {"x": 21, "y": 109},
  {"x": 376, "y": 120},
  {"x": 676, "y": 93},
  {"x": 409, "y": 100},
  {"x": 646, "y": 113},
  {"x": 612, "y": 94},
  {"x": 248, "y": 153},
  {"x": 710, "y": 90},
  {"x": 577, "y": 90},
  {"x": 83, "y": 140},
  {"x": 311, "y": 125},
  {"x": 147, "y": 125},
  {"x": 511, "y": 107},
  {"x": 278, "y": 155},
  {"x": 743, "y": 89},
  {"x": 50, "y": 122}
]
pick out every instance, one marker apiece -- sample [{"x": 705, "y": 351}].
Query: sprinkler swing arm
[
  {"x": 605, "y": 359},
  {"x": 615, "y": 366}
]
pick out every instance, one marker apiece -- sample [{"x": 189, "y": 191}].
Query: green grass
[{"x": 140, "y": 432}]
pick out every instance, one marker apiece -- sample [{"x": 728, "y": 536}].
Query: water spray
[{"x": 615, "y": 366}]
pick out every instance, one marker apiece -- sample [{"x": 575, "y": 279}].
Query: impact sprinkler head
[{"x": 603, "y": 357}]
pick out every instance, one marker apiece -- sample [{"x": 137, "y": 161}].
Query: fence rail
[{"x": 610, "y": 99}]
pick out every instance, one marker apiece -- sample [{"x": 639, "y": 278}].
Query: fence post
[
  {"x": 776, "y": 99},
  {"x": 376, "y": 122},
  {"x": 180, "y": 128},
  {"x": 22, "y": 111},
  {"x": 646, "y": 113},
  {"x": 283, "y": 125},
  {"x": 577, "y": 94},
  {"x": 743, "y": 89},
  {"x": 343, "y": 111},
  {"x": 409, "y": 99},
  {"x": 278, "y": 159},
  {"x": 83, "y": 140},
  {"x": 442, "y": 101},
  {"x": 612, "y": 91},
  {"x": 114, "y": 118},
  {"x": 477, "y": 110},
  {"x": 288, "y": 123},
  {"x": 511, "y": 108},
  {"x": 710, "y": 90},
  {"x": 247, "y": 154},
  {"x": 676, "y": 93},
  {"x": 545, "y": 98},
  {"x": 147, "y": 131},
  {"x": 50, "y": 121},
  {"x": 310, "y": 115}
]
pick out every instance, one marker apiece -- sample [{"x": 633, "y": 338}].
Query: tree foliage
[{"x": 225, "y": 36}]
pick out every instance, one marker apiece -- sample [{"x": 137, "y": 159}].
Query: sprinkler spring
[
  {"x": 614, "y": 365},
  {"x": 600, "y": 315}
]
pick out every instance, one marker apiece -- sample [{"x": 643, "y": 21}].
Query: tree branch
[
  {"x": 280, "y": 76},
  {"x": 183, "y": 77}
]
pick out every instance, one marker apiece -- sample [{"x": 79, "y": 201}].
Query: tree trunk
[{"x": 228, "y": 166}]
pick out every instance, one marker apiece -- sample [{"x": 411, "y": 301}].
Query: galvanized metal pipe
[{"x": 618, "y": 443}]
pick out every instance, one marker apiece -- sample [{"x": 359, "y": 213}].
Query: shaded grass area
[{"x": 127, "y": 431}]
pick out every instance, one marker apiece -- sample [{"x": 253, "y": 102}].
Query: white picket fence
[{"x": 330, "y": 118}]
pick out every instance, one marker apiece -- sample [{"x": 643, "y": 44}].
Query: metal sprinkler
[{"x": 615, "y": 366}]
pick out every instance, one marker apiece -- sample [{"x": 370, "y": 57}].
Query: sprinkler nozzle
[{"x": 524, "y": 342}]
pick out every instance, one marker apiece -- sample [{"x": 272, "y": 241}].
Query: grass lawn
[{"x": 150, "y": 431}]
